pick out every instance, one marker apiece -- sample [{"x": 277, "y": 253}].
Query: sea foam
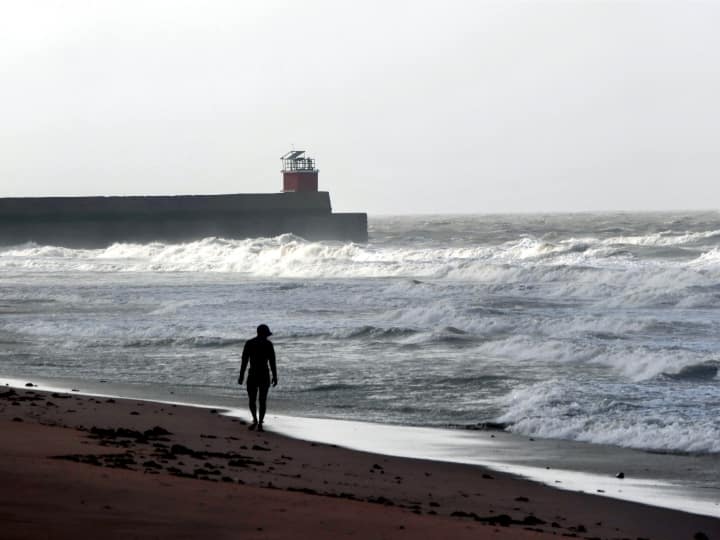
[{"x": 560, "y": 409}]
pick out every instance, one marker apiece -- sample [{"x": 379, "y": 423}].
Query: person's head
[{"x": 263, "y": 331}]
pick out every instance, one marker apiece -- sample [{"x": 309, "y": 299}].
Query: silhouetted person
[{"x": 259, "y": 351}]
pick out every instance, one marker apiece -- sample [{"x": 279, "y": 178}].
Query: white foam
[
  {"x": 581, "y": 267},
  {"x": 663, "y": 238},
  {"x": 710, "y": 258},
  {"x": 555, "y": 409}
]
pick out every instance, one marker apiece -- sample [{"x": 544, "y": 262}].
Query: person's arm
[
  {"x": 273, "y": 368},
  {"x": 243, "y": 365}
]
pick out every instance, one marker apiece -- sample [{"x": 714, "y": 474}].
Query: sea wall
[
  {"x": 105, "y": 207},
  {"x": 101, "y": 221}
]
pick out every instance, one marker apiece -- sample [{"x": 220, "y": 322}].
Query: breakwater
[{"x": 102, "y": 221}]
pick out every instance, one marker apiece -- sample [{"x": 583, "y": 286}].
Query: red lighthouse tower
[{"x": 299, "y": 172}]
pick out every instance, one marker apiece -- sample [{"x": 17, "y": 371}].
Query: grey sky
[{"x": 409, "y": 107}]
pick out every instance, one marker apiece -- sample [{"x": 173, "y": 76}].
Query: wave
[
  {"x": 469, "y": 380},
  {"x": 200, "y": 342},
  {"x": 332, "y": 387},
  {"x": 695, "y": 372},
  {"x": 369, "y": 331},
  {"x": 402, "y": 335},
  {"x": 558, "y": 409},
  {"x": 711, "y": 257},
  {"x": 292, "y": 257},
  {"x": 621, "y": 358},
  {"x": 664, "y": 238}
]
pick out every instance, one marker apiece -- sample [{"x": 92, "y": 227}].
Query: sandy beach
[{"x": 72, "y": 464}]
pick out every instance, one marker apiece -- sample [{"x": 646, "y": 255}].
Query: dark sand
[{"x": 151, "y": 470}]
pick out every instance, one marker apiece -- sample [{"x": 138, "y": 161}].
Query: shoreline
[
  {"x": 497, "y": 451},
  {"x": 147, "y": 470}
]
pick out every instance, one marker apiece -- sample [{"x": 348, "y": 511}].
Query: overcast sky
[{"x": 408, "y": 107}]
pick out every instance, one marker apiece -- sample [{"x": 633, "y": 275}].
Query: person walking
[{"x": 258, "y": 352}]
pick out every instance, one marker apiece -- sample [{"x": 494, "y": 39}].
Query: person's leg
[
  {"x": 252, "y": 391},
  {"x": 263, "y": 401}
]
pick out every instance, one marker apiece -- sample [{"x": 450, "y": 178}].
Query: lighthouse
[{"x": 299, "y": 172}]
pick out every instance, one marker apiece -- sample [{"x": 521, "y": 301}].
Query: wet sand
[
  {"x": 677, "y": 481},
  {"x": 73, "y": 464}
]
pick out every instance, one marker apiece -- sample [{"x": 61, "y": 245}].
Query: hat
[{"x": 263, "y": 330}]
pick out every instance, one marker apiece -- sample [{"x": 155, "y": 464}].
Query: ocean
[{"x": 591, "y": 328}]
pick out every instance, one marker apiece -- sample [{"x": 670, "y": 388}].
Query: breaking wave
[
  {"x": 200, "y": 342},
  {"x": 695, "y": 372},
  {"x": 369, "y": 331},
  {"x": 560, "y": 409},
  {"x": 292, "y": 257}
]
